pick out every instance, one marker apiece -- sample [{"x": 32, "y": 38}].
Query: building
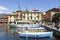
[
  {"x": 12, "y": 17},
  {"x": 3, "y": 19},
  {"x": 43, "y": 16},
  {"x": 25, "y": 16},
  {"x": 49, "y": 14}
]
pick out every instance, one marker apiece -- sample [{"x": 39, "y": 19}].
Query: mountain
[{"x": 2, "y": 15}]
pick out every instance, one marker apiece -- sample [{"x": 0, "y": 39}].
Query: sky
[{"x": 7, "y": 6}]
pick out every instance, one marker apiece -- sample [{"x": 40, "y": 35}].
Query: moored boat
[
  {"x": 36, "y": 32},
  {"x": 32, "y": 30}
]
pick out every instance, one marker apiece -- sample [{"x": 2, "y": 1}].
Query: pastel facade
[
  {"x": 49, "y": 14},
  {"x": 24, "y": 16},
  {"x": 11, "y": 18}
]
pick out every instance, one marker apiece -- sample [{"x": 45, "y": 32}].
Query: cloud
[
  {"x": 1, "y": 12},
  {"x": 2, "y": 8}
]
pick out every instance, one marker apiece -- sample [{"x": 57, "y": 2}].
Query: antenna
[{"x": 18, "y": 5}]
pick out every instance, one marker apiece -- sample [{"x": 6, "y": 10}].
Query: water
[
  {"x": 45, "y": 38},
  {"x": 5, "y": 36},
  {"x": 36, "y": 39}
]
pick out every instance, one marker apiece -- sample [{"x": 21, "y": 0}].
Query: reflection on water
[
  {"x": 56, "y": 38},
  {"x": 45, "y": 38},
  {"x": 5, "y": 36},
  {"x": 36, "y": 39}
]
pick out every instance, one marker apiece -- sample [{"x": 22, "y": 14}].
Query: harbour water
[{"x": 5, "y": 36}]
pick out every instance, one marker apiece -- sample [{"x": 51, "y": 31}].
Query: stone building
[{"x": 49, "y": 14}]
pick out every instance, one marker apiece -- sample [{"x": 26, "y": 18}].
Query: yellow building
[
  {"x": 27, "y": 16},
  {"x": 12, "y": 17}
]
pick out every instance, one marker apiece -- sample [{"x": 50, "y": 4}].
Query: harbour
[
  {"x": 55, "y": 30},
  {"x": 7, "y": 36},
  {"x": 31, "y": 22},
  {"x": 27, "y": 30}
]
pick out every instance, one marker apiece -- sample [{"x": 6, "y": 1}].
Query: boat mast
[
  {"x": 26, "y": 8},
  {"x": 59, "y": 8},
  {"x": 19, "y": 5}
]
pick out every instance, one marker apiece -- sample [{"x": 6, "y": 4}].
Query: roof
[{"x": 54, "y": 9}]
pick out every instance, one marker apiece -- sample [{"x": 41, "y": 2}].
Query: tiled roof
[{"x": 54, "y": 9}]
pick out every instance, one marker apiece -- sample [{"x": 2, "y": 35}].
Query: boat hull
[
  {"x": 39, "y": 34},
  {"x": 22, "y": 25}
]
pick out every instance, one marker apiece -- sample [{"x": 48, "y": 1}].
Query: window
[
  {"x": 23, "y": 16},
  {"x": 19, "y": 23},
  {"x": 10, "y": 22}
]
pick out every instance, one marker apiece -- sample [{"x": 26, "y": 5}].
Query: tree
[{"x": 56, "y": 19}]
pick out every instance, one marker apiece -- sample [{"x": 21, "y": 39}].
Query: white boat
[
  {"x": 34, "y": 30},
  {"x": 23, "y": 24},
  {"x": 38, "y": 34},
  {"x": 31, "y": 32}
]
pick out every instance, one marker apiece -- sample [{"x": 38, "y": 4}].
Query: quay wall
[{"x": 55, "y": 32}]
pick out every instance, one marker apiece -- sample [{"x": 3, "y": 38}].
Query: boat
[
  {"x": 32, "y": 30},
  {"x": 22, "y": 24},
  {"x": 36, "y": 32}
]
